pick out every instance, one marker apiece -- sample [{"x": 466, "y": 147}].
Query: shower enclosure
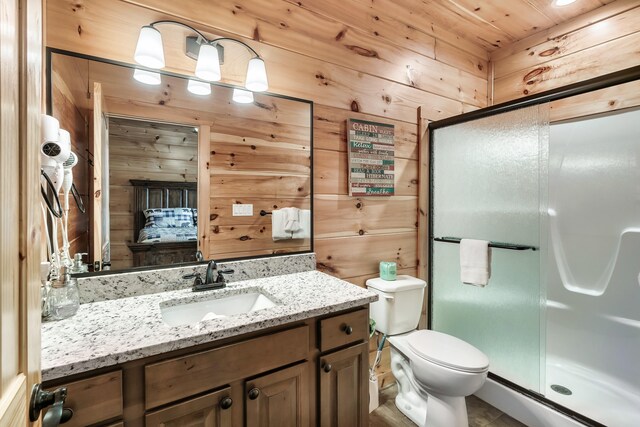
[{"x": 554, "y": 182}]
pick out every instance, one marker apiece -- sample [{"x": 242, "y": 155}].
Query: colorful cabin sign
[{"x": 371, "y": 158}]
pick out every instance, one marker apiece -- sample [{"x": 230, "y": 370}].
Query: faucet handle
[
  {"x": 197, "y": 279},
  {"x": 221, "y": 273}
]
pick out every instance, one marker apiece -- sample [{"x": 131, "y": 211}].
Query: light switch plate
[{"x": 242, "y": 210}]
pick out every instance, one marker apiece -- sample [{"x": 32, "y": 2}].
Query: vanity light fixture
[
  {"x": 197, "y": 87},
  {"x": 149, "y": 50},
  {"x": 208, "y": 65},
  {"x": 209, "y": 54},
  {"x": 242, "y": 96},
  {"x": 560, "y": 3},
  {"x": 147, "y": 77}
]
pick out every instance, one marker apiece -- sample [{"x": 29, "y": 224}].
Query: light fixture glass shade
[
  {"x": 561, "y": 3},
  {"x": 256, "y": 79},
  {"x": 242, "y": 96},
  {"x": 149, "y": 50},
  {"x": 147, "y": 77},
  {"x": 197, "y": 87},
  {"x": 208, "y": 65}
]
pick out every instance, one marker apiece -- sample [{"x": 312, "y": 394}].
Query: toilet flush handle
[{"x": 387, "y": 297}]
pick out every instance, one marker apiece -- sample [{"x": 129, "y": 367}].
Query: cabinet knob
[
  {"x": 226, "y": 403},
  {"x": 347, "y": 329},
  {"x": 327, "y": 367},
  {"x": 254, "y": 393}
]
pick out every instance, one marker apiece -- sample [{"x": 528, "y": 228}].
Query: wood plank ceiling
[{"x": 490, "y": 24}]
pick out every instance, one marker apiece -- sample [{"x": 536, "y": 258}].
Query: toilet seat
[{"x": 447, "y": 351}]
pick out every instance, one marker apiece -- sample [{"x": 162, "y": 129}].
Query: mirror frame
[{"x": 49, "y": 109}]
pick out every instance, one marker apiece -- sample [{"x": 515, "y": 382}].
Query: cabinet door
[
  {"x": 280, "y": 399},
  {"x": 344, "y": 387},
  {"x": 210, "y": 410}
]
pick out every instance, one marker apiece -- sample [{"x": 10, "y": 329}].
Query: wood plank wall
[
  {"x": 359, "y": 60},
  {"x": 139, "y": 150},
  {"x": 67, "y": 86},
  {"x": 263, "y": 162},
  {"x": 596, "y": 43}
]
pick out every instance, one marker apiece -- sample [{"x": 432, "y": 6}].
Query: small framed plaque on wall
[{"x": 371, "y": 158}]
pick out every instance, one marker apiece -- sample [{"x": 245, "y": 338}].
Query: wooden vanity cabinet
[{"x": 303, "y": 374}]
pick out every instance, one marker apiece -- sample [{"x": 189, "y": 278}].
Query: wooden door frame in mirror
[{"x": 202, "y": 241}]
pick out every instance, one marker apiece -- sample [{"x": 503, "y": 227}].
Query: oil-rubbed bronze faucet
[{"x": 209, "y": 282}]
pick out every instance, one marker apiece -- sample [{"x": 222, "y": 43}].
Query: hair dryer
[{"x": 67, "y": 182}]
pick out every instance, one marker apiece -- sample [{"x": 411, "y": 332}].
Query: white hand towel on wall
[
  {"x": 292, "y": 219},
  {"x": 278, "y": 223},
  {"x": 304, "y": 232},
  {"x": 475, "y": 262}
]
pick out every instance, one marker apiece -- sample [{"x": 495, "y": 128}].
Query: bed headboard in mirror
[
  {"x": 156, "y": 245},
  {"x": 162, "y": 146},
  {"x": 149, "y": 194}
]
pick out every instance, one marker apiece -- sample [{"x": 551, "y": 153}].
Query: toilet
[{"x": 434, "y": 371}]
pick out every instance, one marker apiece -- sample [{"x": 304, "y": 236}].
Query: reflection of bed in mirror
[{"x": 153, "y": 244}]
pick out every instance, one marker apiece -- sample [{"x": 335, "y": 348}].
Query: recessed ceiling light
[{"x": 560, "y": 3}]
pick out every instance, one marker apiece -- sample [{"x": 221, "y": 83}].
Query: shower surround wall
[{"x": 593, "y": 294}]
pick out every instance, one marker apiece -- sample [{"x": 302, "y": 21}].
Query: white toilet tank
[{"x": 399, "y": 303}]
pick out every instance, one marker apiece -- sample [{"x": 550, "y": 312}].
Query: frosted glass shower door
[{"x": 489, "y": 183}]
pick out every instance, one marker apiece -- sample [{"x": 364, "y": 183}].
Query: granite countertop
[{"x": 107, "y": 333}]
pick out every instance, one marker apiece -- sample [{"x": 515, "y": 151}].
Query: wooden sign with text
[{"x": 371, "y": 158}]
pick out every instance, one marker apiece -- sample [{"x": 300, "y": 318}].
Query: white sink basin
[{"x": 192, "y": 312}]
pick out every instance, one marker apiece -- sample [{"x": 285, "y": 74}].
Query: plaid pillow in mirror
[{"x": 169, "y": 217}]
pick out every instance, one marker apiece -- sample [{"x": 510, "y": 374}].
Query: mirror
[{"x": 164, "y": 172}]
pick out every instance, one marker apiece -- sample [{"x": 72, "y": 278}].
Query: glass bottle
[{"x": 63, "y": 296}]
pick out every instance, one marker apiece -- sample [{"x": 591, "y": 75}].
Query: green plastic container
[{"x": 387, "y": 270}]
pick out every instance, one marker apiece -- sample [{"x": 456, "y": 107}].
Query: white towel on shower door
[{"x": 475, "y": 262}]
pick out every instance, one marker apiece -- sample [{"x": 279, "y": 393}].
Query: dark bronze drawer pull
[
  {"x": 254, "y": 393},
  {"x": 226, "y": 403}
]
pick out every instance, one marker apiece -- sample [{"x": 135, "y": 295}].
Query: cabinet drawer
[
  {"x": 185, "y": 376},
  {"x": 94, "y": 399},
  {"x": 208, "y": 410},
  {"x": 344, "y": 329}
]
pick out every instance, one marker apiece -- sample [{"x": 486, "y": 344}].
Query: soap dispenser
[
  {"x": 63, "y": 297},
  {"x": 78, "y": 266}
]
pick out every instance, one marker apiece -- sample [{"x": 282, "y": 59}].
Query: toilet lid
[{"x": 448, "y": 351}]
